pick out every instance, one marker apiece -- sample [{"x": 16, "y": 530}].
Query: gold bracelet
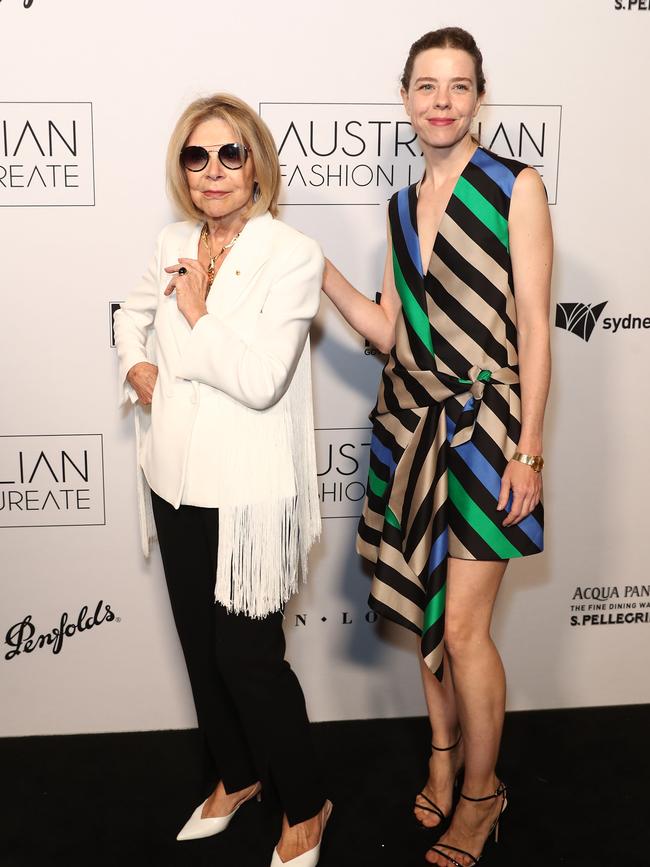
[{"x": 535, "y": 462}]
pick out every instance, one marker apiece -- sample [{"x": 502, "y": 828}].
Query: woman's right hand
[{"x": 142, "y": 376}]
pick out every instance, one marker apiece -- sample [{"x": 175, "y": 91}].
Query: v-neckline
[{"x": 416, "y": 196}]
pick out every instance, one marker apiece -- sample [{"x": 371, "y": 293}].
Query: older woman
[{"x": 213, "y": 348}]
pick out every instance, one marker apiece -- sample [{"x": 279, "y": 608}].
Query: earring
[{"x": 256, "y": 191}]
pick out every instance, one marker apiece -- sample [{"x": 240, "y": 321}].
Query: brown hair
[
  {"x": 249, "y": 128},
  {"x": 446, "y": 37}
]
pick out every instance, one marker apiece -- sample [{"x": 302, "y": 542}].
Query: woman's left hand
[
  {"x": 526, "y": 487},
  {"x": 191, "y": 289}
]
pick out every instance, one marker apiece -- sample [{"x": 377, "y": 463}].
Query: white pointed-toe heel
[
  {"x": 196, "y": 827},
  {"x": 307, "y": 859}
]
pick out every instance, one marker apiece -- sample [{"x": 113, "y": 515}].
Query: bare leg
[
  {"x": 300, "y": 838},
  {"x": 220, "y": 803},
  {"x": 445, "y": 729},
  {"x": 479, "y": 687}
]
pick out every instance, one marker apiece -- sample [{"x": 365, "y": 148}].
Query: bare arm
[
  {"x": 531, "y": 249},
  {"x": 375, "y": 322}
]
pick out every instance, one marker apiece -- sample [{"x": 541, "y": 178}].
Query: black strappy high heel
[
  {"x": 501, "y": 792},
  {"x": 433, "y": 807}
]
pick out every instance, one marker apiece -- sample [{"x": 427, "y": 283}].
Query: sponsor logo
[
  {"x": 52, "y": 480},
  {"x": 46, "y": 154},
  {"x": 632, "y": 5},
  {"x": 610, "y": 605},
  {"x": 578, "y": 318},
  {"x": 361, "y": 153},
  {"x": 113, "y": 307},
  {"x": 342, "y": 618},
  {"x": 581, "y": 319},
  {"x": 23, "y": 637},
  {"x": 342, "y": 456}
]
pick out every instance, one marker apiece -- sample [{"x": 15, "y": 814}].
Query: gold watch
[{"x": 535, "y": 462}]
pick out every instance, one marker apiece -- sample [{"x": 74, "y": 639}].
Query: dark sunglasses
[{"x": 195, "y": 158}]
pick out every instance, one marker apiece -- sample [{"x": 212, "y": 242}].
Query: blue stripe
[
  {"x": 438, "y": 551},
  {"x": 491, "y": 480},
  {"x": 382, "y": 453},
  {"x": 500, "y": 174},
  {"x": 408, "y": 230}
]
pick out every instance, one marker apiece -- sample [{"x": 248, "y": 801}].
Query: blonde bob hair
[{"x": 249, "y": 128}]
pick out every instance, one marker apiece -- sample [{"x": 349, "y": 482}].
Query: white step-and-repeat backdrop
[{"x": 90, "y": 92}]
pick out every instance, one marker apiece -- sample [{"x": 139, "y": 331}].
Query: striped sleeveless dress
[{"x": 448, "y": 413}]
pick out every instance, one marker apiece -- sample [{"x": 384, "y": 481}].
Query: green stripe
[
  {"x": 435, "y": 608},
  {"x": 389, "y": 516},
  {"x": 377, "y": 485},
  {"x": 412, "y": 310},
  {"x": 476, "y": 517},
  {"x": 481, "y": 208}
]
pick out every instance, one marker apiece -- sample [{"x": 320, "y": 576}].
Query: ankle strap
[
  {"x": 446, "y": 749},
  {"x": 500, "y": 792}
]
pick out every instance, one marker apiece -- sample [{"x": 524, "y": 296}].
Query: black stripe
[
  {"x": 488, "y": 189},
  {"x": 396, "y": 581},
  {"x": 389, "y": 614},
  {"x": 484, "y": 499},
  {"x": 515, "y": 166},
  {"x": 421, "y": 396},
  {"x": 449, "y": 355},
  {"x": 472, "y": 326},
  {"x": 378, "y": 467},
  {"x": 387, "y": 439},
  {"x": 478, "y": 232},
  {"x": 487, "y": 446},
  {"x": 425, "y": 510},
  {"x": 368, "y": 534},
  {"x": 500, "y": 407},
  {"x": 475, "y": 544},
  {"x": 407, "y": 417},
  {"x": 479, "y": 283}
]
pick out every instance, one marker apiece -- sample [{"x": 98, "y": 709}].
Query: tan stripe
[
  {"x": 400, "y": 433},
  {"x": 374, "y": 520},
  {"x": 443, "y": 368},
  {"x": 489, "y": 267},
  {"x": 460, "y": 339},
  {"x": 457, "y": 549},
  {"x": 434, "y": 659},
  {"x": 475, "y": 255},
  {"x": 365, "y": 549},
  {"x": 472, "y": 301},
  {"x": 492, "y": 425},
  {"x": 403, "y": 476},
  {"x": 394, "y": 558},
  {"x": 394, "y": 600},
  {"x": 420, "y": 556}
]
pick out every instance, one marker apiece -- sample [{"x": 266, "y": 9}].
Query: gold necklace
[{"x": 205, "y": 237}]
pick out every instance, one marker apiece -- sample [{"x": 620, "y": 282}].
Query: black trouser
[{"x": 250, "y": 707}]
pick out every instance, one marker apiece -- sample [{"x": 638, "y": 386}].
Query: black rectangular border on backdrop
[
  {"x": 376, "y": 204},
  {"x": 340, "y": 517},
  {"x": 60, "y": 526},
  {"x": 92, "y": 146}
]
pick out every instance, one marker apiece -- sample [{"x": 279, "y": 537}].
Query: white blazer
[{"x": 231, "y": 418}]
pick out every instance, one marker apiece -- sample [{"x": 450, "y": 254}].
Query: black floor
[{"x": 578, "y": 790}]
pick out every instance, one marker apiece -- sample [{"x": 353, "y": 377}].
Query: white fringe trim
[
  {"x": 264, "y": 547},
  {"x": 148, "y": 536}
]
